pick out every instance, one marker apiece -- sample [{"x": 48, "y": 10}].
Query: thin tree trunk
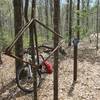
[
  {"x": 26, "y": 10},
  {"x": 32, "y": 43},
  {"x": 70, "y": 24},
  {"x": 78, "y": 19},
  {"x": 51, "y": 11},
  {"x": 40, "y": 16},
  {"x": 87, "y": 20},
  {"x": 1, "y": 34},
  {"x": 83, "y": 7},
  {"x": 56, "y": 39},
  {"x": 83, "y": 19},
  {"x": 46, "y": 18},
  {"x": 18, "y": 25},
  {"x": 0, "y": 59},
  {"x": 67, "y": 17},
  {"x": 97, "y": 24}
]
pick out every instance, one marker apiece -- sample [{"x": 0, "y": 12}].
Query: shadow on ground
[{"x": 11, "y": 91}]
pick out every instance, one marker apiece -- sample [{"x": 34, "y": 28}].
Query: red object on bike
[{"x": 48, "y": 67}]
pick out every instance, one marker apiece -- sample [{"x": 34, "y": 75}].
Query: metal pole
[{"x": 75, "y": 42}]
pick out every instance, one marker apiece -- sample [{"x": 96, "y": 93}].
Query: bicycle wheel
[{"x": 24, "y": 79}]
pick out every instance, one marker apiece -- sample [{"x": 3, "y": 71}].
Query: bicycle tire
[{"x": 23, "y": 88}]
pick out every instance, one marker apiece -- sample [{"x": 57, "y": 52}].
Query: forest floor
[{"x": 86, "y": 88}]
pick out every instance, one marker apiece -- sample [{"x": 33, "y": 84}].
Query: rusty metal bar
[
  {"x": 44, "y": 46},
  {"x": 75, "y": 42},
  {"x": 59, "y": 45},
  {"x": 75, "y": 64},
  {"x": 47, "y": 28}
]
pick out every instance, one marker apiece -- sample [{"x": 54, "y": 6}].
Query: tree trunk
[
  {"x": 0, "y": 20},
  {"x": 83, "y": 19},
  {"x": 67, "y": 17},
  {"x": 87, "y": 20},
  {"x": 83, "y": 7},
  {"x": 46, "y": 18},
  {"x": 70, "y": 24},
  {"x": 33, "y": 42},
  {"x": 1, "y": 36},
  {"x": 56, "y": 39},
  {"x": 97, "y": 25},
  {"x": 18, "y": 25},
  {"x": 78, "y": 19},
  {"x": 51, "y": 11},
  {"x": 0, "y": 59},
  {"x": 40, "y": 16},
  {"x": 26, "y": 10}
]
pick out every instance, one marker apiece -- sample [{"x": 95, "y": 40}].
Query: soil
[{"x": 87, "y": 86}]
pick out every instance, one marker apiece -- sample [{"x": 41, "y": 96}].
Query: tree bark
[
  {"x": 18, "y": 25},
  {"x": 56, "y": 39},
  {"x": 78, "y": 19},
  {"x": 33, "y": 42},
  {"x": 97, "y": 25},
  {"x": 40, "y": 16},
  {"x": 83, "y": 7},
  {"x": 46, "y": 18},
  {"x": 26, "y": 10},
  {"x": 51, "y": 11},
  {"x": 70, "y": 24},
  {"x": 67, "y": 17},
  {"x": 87, "y": 19},
  {"x": 0, "y": 35}
]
